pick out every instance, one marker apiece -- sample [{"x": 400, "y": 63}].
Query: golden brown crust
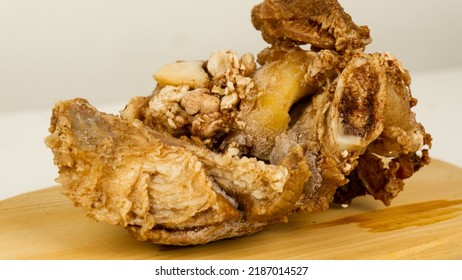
[
  {"x": 323, "y": 24},
  {"x": 127, "y": 174},
  {"x": 223, "y": 148},
  {"x": 200, "y": 235}
]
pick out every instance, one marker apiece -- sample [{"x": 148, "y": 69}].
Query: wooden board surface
[{"x": 424, "y": 222}]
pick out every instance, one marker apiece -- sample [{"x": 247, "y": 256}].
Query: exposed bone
[
  {"x": 349, "y": 118},
  {"x": 223, "y": 148}
]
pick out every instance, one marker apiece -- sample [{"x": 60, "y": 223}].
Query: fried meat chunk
[
  {"x": 321, "y": 23},
  {"x": 347, "y": 127},
  {"x": 227, "y": 146},
  {"x": 130, "y": 175}
]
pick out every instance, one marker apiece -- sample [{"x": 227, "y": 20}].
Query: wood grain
[{"x": 424, "y": 222}]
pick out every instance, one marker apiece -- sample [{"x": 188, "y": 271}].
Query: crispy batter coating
[
  {"x": 321, "y": 23},
  {"x": 223, "y": 147},
  {"x": 130, "y": 175},
  {"x": 347, "y": 126}
]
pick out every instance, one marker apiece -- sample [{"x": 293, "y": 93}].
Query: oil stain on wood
[{"x": 403, "y": 216}]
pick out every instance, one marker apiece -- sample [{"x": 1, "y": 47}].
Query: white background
[{"x": 107, "y": 50}]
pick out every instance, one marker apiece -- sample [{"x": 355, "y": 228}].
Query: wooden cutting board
[{"x": 424, "y": 222}]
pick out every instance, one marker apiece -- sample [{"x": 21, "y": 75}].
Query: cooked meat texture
[
  {"x": 127, "y": 174},
  {"x": 223, "y": 147},
  {"x": 321, "y": 23},
  {"x": 363, "y": 121},
  {"x": 283, "y": 80},
  {"x": 182, "y": 106}
]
